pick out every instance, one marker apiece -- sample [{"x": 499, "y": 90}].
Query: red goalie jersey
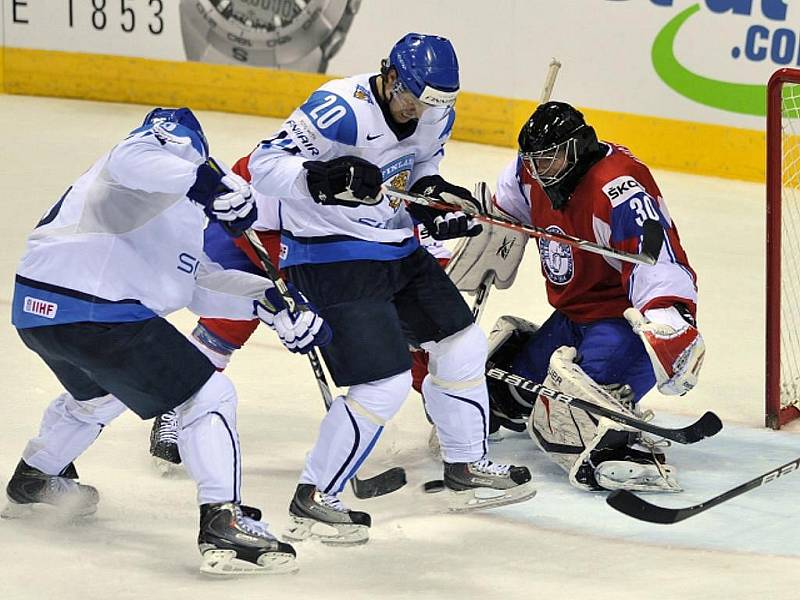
[{"x": 609, "y": 206}]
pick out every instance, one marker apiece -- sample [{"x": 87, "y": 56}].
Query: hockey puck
[{"x": 433, "y": 486}]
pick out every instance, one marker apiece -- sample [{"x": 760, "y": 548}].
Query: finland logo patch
[
  {"x": 40, "y": 308},
  {"x": 557, "y": 261}
]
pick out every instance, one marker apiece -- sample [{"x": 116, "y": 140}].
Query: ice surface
[{"x": 563, "y": 544}]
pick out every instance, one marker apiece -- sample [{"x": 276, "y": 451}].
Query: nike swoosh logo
[
  {"x": 725, "y": 95},
  {"x": 373, "y": 137}
]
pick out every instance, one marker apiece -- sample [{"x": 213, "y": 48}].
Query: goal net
[{"x": 783, "y": 248}]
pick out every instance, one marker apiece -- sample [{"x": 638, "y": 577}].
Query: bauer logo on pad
[{"x": 40, "y": 308}]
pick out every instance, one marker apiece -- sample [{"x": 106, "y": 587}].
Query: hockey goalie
[{"x": 617, "y": 330}]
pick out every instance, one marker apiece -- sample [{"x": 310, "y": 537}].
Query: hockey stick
[
  {"x": 653, "y": 236},
  {"x": 383, "y": 483},
  {"x": 706, "y": 426},
  {"x": 482, "y": 293},
  {"x": 630, "y": 504}
]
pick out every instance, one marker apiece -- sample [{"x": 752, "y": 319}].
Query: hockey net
[{"x": 783, "y": 248}]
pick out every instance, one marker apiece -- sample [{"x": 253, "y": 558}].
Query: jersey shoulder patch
[{"x": 333, "y": 117}]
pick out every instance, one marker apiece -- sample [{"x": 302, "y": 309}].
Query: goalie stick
[
  {"x": 632, "y": 505},
  {"x": 706, "y": 426},
  {"x": 482, "y": 293},
  {"x": 652, "y": 239},
  {"x": 383, "y": 483}
]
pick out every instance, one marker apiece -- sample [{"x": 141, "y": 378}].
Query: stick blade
[
  {"x": 706, "y": 426},
  {"x": 632, "y": 505},
  {"x": 381, "y": 484}
]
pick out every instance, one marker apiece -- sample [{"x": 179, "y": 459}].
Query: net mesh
[{"x": 790, "y": 245}]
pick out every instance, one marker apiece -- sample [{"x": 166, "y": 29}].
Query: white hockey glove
[
  {"x": 299, "y": 331},
  {"x": 224, "y": 196},
  {"x": 674, "y": 345},
  {"x": 236, "y": 204}
]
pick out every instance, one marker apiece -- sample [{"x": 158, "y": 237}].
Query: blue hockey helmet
[
  {"x": 427, "y": 66},
  {"x": 185, "y": 125}
]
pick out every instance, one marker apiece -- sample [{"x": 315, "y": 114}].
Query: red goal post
[{"x": 783, "y": 248}]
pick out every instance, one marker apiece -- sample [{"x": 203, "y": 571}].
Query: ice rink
[{"x": 562, "y": 545}]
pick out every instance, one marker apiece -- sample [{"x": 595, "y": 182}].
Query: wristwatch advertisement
[{"x": 298, "y": 35}]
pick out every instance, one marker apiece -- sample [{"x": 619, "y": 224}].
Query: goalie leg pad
[
  {"x": 594, "y": 451},
  {"x": 509, "y": 407}
]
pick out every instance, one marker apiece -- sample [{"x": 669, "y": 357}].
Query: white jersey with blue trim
[
  {"x": 344, "y": 118},
  {"x": 124, "y": 243}
]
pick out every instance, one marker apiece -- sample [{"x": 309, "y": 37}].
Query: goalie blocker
[{"x": 491, "y": 257}]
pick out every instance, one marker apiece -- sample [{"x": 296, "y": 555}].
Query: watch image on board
[{"x": 299, "y": 35}]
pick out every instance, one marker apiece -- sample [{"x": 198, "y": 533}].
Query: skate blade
[
  {"x": 482, "y": 498},
  {"x": 12, "y": 510},
  {"x": 65, "y": 512},
  {"x": 166, "y": 468},
  {"x": 334, "y": 534},
  {"x": 224, "y": 562}
]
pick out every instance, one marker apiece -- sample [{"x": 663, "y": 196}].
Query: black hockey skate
[
  {"x": 233, "y": 540},
  {"x": 164, "y": 443},
  {"x": 30, "y": 487},
  {"x": 316, "y": 515},
  {"x": 484, "y": 484}
]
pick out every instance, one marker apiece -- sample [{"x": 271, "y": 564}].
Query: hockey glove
[
  {"x": 347, "y": 181},
  {"x": 674, "y": 345},
  {"x": 443, "y": 224},
  {"x": 299, "y": 331},
  {"x": 225, "y": 198}
]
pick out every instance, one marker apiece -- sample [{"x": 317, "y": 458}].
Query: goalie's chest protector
[{"x": 584, "y": 286}]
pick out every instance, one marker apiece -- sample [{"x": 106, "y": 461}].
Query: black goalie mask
[{"x": 557, "y": 148}]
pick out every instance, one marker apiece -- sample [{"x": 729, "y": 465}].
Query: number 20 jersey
[
  {"x": 344, "y": 118},
  {"x": 608, "y": 206}
]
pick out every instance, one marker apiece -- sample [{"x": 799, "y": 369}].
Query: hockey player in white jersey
[
  {"x": 354, "y": 254},
  {"x": 119, "y": 250}
]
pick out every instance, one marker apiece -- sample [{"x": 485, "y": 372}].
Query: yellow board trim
[{"x": 697, "y": 148}]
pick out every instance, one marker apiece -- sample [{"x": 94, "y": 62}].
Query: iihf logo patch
[
  {"x": 40, "y": 308},
  {"x": 557, "y": 261}
]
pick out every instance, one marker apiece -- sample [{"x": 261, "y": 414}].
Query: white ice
[{"x": 563, "y": 544}]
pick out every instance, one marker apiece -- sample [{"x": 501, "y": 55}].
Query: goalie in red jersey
[{"x": 618, "y": 328}]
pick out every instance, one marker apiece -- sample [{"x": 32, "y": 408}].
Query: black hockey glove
[
  {"x": 443, "y": 224},
  {"x": 347, "y": 181}
]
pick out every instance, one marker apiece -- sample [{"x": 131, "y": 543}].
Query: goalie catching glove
[
  {"x": 444, "y": 224},
  {"x": 225, "y": 197},
  {"x": 674, "y": 345},
  {"x": 299, "y": 331}
]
